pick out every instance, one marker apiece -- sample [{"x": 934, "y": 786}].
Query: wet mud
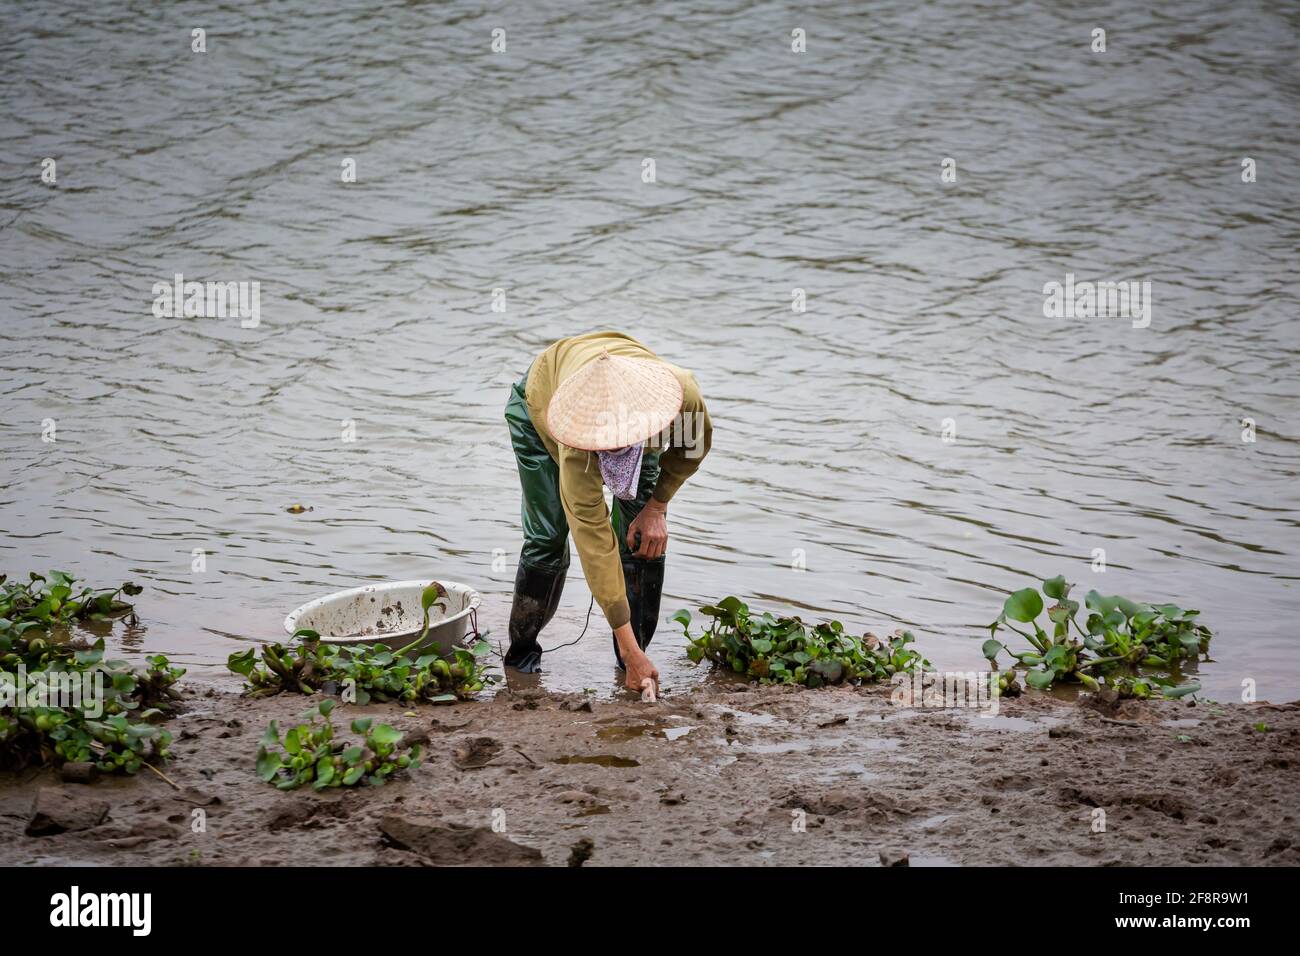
[{"x": 722, "y": 774}]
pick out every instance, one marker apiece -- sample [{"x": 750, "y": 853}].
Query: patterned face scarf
[{"x": 621, "y": 470}]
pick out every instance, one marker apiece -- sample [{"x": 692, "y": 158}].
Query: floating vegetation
[
  {"x": 51, "y": 601},
  {"x": 60, "y": 700},
  {"x": 785, "y": 650},
  {"x": 309, "y": 754},
  {"x": 1118, "y": 639}
]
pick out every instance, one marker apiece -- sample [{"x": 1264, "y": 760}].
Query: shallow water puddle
[
  {"x": 848, "y": 771},
  {"x": 750, "y": 719},
  {"x": 807, "y": 745},
  {"x": 1003, "y": 722},
  {"x": 659, "y": 729},
  {"x": 600, "y": 760}
]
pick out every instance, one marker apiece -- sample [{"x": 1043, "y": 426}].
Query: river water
[{"x": 831, "y": 490}]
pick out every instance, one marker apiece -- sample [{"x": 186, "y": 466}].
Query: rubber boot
[
  {"x": 645, "y": 586},
  {"x": 537, "y": 595}
]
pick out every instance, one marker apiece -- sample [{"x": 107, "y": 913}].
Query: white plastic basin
[{"x": 389, "y": 614}]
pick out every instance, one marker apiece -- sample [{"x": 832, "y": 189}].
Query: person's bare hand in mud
[
  {"x": 640, "y": 669},
  {"x": 652, "y": 525}
]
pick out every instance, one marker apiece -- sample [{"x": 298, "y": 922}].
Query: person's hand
[
  {"x": 652, "y": 523},
  {"x": 639, "y": 668}
]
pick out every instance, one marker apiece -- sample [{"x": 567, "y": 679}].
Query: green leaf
[
  {"x": 1040, "y": 679},
  {"x": 242, "y": 663},
  {"x": 682, "y": 617},
  {"x": 385, "y": 734},
  {"x": 1095, "y": 601},
  {"x": 324, "y": 772},
  {"x": 1056, "y": 588},
  {"x": 991, "y": 649},
  {"x": 1175, "y": 692},
  {"x": 1023, "y": 606},
  {"x": 91, "y": 656},
  {"x": 1129, "y": 608},
  {"x": 268, "y": 764}
]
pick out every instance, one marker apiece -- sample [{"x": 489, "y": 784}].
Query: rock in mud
[
  {"x": 581, "y": 851},
  {"x": 579, "y": 797},
  {"x": 474, "y": 752},
  {"x": 59, "y": 809},
  {"x": 456, "y": 844},
  {"x": 198, "y": 798},
  {"x": 79, "y": 772},
  {"x": 309, "y": 814},
  {"x": 894, "y": 858}
]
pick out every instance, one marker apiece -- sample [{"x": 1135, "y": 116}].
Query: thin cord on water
[
  {"x": 590, "y": 606},
  {"x": 579, "y": 637},
  {"x": 585, "y": 625}
]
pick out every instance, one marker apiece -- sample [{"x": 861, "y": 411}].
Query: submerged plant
[
  {"x": 1117, "y": 640},
  {"x": 308, "y": 753},
  {"x": 60, "y": 700},
  {"x": 785, "y": 650}
]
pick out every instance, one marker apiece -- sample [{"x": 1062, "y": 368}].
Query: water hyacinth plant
[
  {"x": 1117, "y": 639},
  {"x": 60, "y": 700},
  {"x": 372, "y": 671},
  {"x": 785, "y": 650},
  {"x": 51, "y": 601},
  {"x": 309, "y": 754}
]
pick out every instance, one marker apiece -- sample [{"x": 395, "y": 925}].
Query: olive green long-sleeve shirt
[{"x": 580, "y": 481}]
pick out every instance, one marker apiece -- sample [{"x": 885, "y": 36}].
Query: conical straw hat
[{"x": 613, "y": 402}]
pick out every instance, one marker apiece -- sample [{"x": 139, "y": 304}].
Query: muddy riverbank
[{"x": 721, "y": 775}]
